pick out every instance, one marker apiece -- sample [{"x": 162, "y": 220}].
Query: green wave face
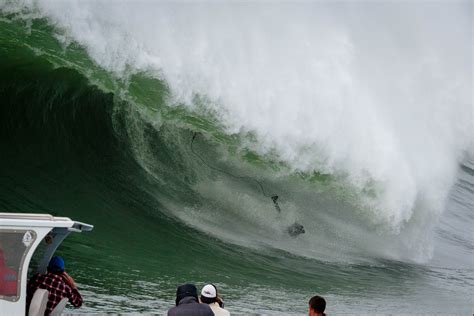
[{"x": 173, "y": 197}]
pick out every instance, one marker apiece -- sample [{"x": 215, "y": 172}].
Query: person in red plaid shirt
[{"x": 58, "y": 284}]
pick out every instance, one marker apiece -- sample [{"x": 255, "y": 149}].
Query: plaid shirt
[{"x": 57, "y": 290}]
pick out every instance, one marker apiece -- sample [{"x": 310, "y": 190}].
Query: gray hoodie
[{"x": 189, "y": 306}]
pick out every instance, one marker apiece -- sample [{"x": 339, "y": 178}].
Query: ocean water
[{"x": 169, "y": 126}]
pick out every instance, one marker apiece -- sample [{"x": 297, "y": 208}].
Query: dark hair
[
  {"x": 208, "y": 300},
  {"x": 317, "y": 304},
  {"x": 54, "y": 270}
]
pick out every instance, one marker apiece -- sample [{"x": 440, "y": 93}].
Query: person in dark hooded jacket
[{"x": 187, "y": 303}]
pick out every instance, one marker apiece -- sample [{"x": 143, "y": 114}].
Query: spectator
[
  {"x": 187, "y": 303},
  {"x": 58, "y": 284},
  {"x": 210, "y": 296},
  {"x": 317, "y": 305}
]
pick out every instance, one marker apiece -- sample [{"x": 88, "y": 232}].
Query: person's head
[
  {"x": 56, "y": 265},
  {"x": 209, "y": 294},
  {"x": 317, "y": 305},
  {"x": 186, "y": 290}
]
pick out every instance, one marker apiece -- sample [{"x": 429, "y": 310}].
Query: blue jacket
[{"x": 189, "y": 306}]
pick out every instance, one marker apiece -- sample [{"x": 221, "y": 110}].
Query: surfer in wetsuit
[{"x": 293, "y": 230}]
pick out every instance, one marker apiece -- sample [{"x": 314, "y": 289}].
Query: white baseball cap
[{"x": 209, "y": 291}]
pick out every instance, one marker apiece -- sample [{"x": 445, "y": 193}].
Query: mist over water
[{"x": 358, "y": 115}]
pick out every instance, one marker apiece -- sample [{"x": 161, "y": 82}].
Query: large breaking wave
[{"x": 358, "y": 123}]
